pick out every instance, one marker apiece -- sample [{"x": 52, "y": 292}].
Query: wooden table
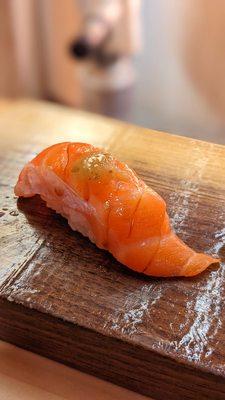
[
  {"x": 26, "y": 376},
  {"x": 63, "y": 298}
]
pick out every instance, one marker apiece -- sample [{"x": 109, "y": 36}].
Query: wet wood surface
[{"x": 65, "y": 299}]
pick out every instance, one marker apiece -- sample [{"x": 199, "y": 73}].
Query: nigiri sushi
[{"x": 103, "y": 199}]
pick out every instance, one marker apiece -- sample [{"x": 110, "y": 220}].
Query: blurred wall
[
  {"x": 34, "y": 57},
  {"x": 181, "y": 80},
  {"x": 203, "y": 50},
  {"x": 27, "y": 50},
  {"x": 180, "y": 83},
  {"x": 60, "y": 21},
  {"x": 9, "y": 79}
]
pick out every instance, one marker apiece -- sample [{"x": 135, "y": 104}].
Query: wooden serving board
[{"x": 67, "y": 300}]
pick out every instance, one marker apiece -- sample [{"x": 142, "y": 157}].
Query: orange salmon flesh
[{"x": 104, "y": 199}]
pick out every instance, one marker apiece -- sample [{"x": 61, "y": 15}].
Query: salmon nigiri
[{"x": 105, "y": 200}]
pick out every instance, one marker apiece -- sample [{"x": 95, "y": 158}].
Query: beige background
[{"x": 180, "y": 70}]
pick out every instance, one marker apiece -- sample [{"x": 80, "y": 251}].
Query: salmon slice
[{"x": 105, "y": 200}]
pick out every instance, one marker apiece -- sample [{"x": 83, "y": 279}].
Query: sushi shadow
[{"x": 53, "y": 227}]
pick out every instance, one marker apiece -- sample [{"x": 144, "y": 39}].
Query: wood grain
[{"x": 64, "y": 298}]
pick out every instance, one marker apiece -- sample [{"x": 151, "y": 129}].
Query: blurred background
[{"x": 156, "y": 63}]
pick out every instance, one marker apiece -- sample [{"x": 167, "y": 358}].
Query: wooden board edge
[{"x": 107, "y": 358}]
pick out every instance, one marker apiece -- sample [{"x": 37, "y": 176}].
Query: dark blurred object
[
  {"x": 81, "y": 48},
  {"x": 108, "y": 34},
  {"x": 94, "y": 33}
]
